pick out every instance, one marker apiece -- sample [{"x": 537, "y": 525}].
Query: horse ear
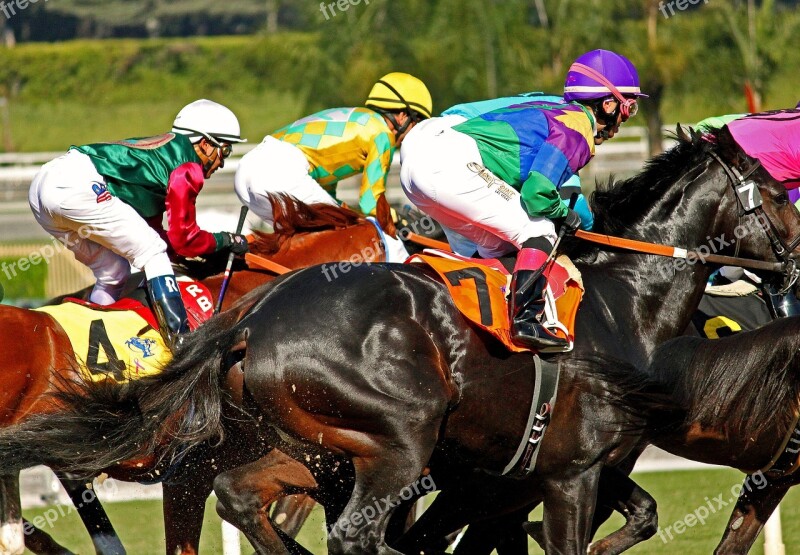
[
  {"x": 681, "y": 133},
  {"x": 384, "y": 214}
]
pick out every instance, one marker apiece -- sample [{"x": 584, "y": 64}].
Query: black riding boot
[
  {"x": 526, "y": 304},
  {"x": 168, "y": 308}
]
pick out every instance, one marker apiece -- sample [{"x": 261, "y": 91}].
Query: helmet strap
[
  {"x": 625, "y": 104},
  {"x": 391, "y": 116}
]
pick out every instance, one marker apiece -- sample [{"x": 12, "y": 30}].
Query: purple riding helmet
[{"x": 602, "y": 73}]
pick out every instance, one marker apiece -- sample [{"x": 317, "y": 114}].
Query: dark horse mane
[
  {"x": 616, "y": 204},
  {"x": 746, "y": 382},
  {"x": 291, "y": 216}
]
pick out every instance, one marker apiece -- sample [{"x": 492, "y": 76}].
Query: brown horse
[{"x": 306, "y": 235}]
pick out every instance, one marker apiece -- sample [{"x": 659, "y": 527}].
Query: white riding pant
[
  {"x": 443, "y": 174},
  {"x": 276, "y": 167},
  {"x": 103, "y": 232}
]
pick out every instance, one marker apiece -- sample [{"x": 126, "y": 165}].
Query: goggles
[{"x": 225, "y": 149}]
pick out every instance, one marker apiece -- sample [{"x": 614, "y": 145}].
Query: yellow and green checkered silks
[{"x": 341, "y": 142}]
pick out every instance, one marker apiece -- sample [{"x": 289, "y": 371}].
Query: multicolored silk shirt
[
  {"x": 341, "y": 142},
  {"x": 535, "y": 147},
  {"x": 154, "y": 175}
]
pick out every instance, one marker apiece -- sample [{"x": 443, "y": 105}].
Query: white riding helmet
[{"x": 205, "y": 118}]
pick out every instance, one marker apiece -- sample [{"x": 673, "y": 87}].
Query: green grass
[
  {"x": 22, "y": 285},
  {"x": 141, "y": 529},
  {"x": 678, "y": 494}
]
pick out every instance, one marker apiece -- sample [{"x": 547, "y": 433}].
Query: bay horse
[
  {"x": 307, "y": 234},
  {"x": 397, "y": 382},
  {"x": 731, "y": 402}
]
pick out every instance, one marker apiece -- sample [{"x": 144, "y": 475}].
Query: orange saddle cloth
[{"x": 479, "y": 288}]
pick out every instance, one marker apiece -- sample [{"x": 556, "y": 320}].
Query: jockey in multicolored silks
[
  {"x": 105, "y": 202},
  {"x": 495, "y": 178},
  {"x": 309, "y": 157},
  {"x": 468, "y": 110}
]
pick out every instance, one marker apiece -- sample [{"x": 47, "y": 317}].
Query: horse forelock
[{"x": 746, "y": 383}]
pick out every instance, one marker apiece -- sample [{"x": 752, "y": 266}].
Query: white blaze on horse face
[{"x": 12, "y": 539}]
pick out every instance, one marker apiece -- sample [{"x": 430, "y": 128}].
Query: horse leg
[
  {"x": 752, "y": 510},
  {"x": 245, "y": 493},
  {"x": 12, "y": 538},
  {"x": 503, "y": 533},
  {"x": 617, "y": 491},
  {"x": 466, "y": 501},
  {"x": 290, "y": 513},
  {"x": 40, "y": 542},
  {"x": 184, "y": 507},
  {"x": 93, "y": 515},
  {"x": 568, "y": 510},
  {"x": 379, "y": 487}
]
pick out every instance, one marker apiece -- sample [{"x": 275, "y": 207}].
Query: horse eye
[{"x": 781, "y": 198}]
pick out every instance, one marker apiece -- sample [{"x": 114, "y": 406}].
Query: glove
[
  {"x": 235, "y": 242},
  {"x": 571, "y": 222}
]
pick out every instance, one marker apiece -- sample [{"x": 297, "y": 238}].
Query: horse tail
[{"x": 94, "y": 426}]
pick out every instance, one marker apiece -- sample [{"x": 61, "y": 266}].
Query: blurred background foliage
[{"x": 81, "y": 70}]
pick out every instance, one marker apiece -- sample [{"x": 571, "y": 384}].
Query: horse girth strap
[
  {"x": 544, "y": 398},
  {"x": 787, "y": 460},
  {"x": 677, "y": 252}
]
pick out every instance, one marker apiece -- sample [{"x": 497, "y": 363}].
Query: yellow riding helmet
[{"x": 401, "y": 91}]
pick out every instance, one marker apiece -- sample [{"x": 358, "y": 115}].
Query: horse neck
[
  {"x": 642, "y": 300},
  {"x": 358, "y": 243}
]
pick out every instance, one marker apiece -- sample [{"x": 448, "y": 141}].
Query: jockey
[
  {"x": 308, "y": 158},
  {"x": 495, "y": 178},
  {"x": 462, "y": 112},
  {"x": 105, "y": 202}
]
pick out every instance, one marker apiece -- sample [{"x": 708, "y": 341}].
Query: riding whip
[{"x": 229, "y": 267}]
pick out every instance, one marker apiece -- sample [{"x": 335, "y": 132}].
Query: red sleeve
[{"x": 185, "y": 236}]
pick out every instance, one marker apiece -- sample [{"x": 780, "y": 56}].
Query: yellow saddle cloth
[
  {"x": 117, "y": 343},
  {"x": 479, "y": 289}
]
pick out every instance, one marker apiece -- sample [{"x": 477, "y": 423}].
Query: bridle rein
[{"x": 750, "y": 202}]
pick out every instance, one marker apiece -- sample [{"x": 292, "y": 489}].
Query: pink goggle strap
[{"x": 626, "y": 104}]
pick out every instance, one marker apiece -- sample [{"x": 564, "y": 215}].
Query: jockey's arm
[
  {"x": 185, "y": 236},
  {"x": 550, "y": 168},
  {"x": 376, "y": 170}
]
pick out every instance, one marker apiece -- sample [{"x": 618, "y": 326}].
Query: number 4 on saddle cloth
[
  {"x": 479, "y": 288},
  {"x": 121, "y": 341}
]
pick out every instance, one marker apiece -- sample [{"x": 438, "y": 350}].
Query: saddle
[
  {"x": 479, "y": 288},
  {"x": 121, "y": 341}
]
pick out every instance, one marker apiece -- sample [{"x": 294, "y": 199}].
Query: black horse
[{"x": 376, "y": 367}]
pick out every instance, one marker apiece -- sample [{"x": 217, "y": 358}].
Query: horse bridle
[{"x": 750, "y": 202}]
